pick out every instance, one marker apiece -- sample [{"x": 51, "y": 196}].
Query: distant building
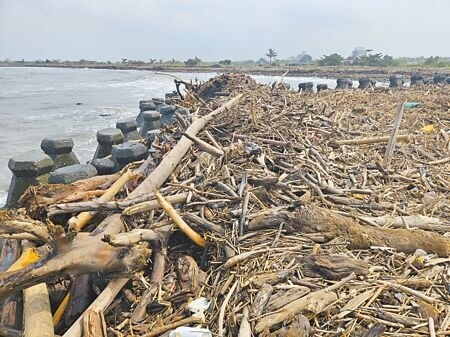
[{"x": 358, "y": 51}]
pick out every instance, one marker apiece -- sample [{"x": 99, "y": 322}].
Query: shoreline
[{"x": 351, "y": 72}]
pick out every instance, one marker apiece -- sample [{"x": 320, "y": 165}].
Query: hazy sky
[{"x": 214, "y": 30}]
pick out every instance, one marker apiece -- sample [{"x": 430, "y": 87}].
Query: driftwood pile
[{"x": 268, "y": 212}]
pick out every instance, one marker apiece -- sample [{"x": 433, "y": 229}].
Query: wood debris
[{"x": 293, "y": 214}]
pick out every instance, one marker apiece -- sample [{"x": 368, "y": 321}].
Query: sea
[{"x": 59, "y": 102}]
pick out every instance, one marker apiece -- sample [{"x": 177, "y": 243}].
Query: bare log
[
  {"x": 332, "y": 267},
  {"x": 314, "y": 302},
  {"x": 373, "y": 140},
  {"x": 312, "y": 219},
  {"x": 94, "y": 324},
  {"x": 409, "y": 221},
  {"x": 84, "y": 254},
  {"x": 36, "y": 311}
]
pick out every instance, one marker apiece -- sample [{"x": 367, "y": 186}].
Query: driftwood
[
  {"x": 94, "y": 324},
  {"x": 305, "y": 199},
  {"x": 36, "y": 312},
  {"x": 314, "y": 302},
  {"x": 310, "y": 219},
  {"x": 84, "y": 254},
  {"x": 152, "y": 182},
  {"x": 36, "y": 198},
  {"x": 332, "y": 267}
]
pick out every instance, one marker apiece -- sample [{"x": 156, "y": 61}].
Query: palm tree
[{"x": 271, "y": 55}]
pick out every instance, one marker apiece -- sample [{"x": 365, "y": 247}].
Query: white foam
[{"x": 3, "y": 195}]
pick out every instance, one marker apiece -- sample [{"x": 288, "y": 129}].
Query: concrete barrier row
[
  {"x": 117, "y": 147},
  {"x": 365, "y": 82}
]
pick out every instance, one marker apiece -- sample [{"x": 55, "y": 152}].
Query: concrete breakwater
[{"x": 131, "y": 139}]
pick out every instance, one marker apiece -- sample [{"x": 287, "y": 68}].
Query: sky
[{"x": 214, "y": 30}]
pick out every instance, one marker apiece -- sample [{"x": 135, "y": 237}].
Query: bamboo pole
[
  {"x": 393, "y": 137},
  {"x": 372, "y": 140}
]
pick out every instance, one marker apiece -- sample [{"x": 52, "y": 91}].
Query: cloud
[{"x": 213, "y": 30}]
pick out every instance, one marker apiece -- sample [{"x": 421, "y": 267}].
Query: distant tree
[
  {"x": 152, "y": 61},
  {"x": 331, "y": 60},
  {"x": 225, "y": 62},
  {"x": 375, "y": 60},
  {"x": 305, "y": 59},
  {"x": 193, "y": 62},
  {"x": 262, "y": 61},
  {"x": 271, "y": 54},
  {"x": 124, "y": 60}
]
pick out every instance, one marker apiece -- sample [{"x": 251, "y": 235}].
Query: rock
[
  {"x": 28, "y": 169},
  {"x": 60, "y": 150},
  {"x": 127, "y": 153},
  {"x": 129, "y": 129},
  {"x": 106, "y": 139},
  {"x": 104, "y": 165},
  {"x": 306, "y": 87},
  {"x": 72, "y": 173}
]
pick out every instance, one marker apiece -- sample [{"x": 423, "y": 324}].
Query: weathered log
[
  {"x": 205, "y": 224},
  {"x": 36, "y": 312},
  {"x": 312, "y": 219},
  {"x": 332, "y": 267},
  {"x": 97, "y": 205},
  {"x": 37, "y": 198},
  {"x": 159, "y": 262},
  {"x": 409, "y": 221},
  {"x": 84, "y": 254},
  {"x": 260, "y": 301},
  {"x": 81, "y": 295},
  {"x": 94, "y": 324},
  {"x": 300, "y": 327},
  {"x": 11, "y": 312},
  {"x": 314, "y": 302},
  {"x": 178, "y": 220},
  {"x": 12, "y": 222},
  {"x": 377, "y": 330},
  {"x": 280, "y": 299}
]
